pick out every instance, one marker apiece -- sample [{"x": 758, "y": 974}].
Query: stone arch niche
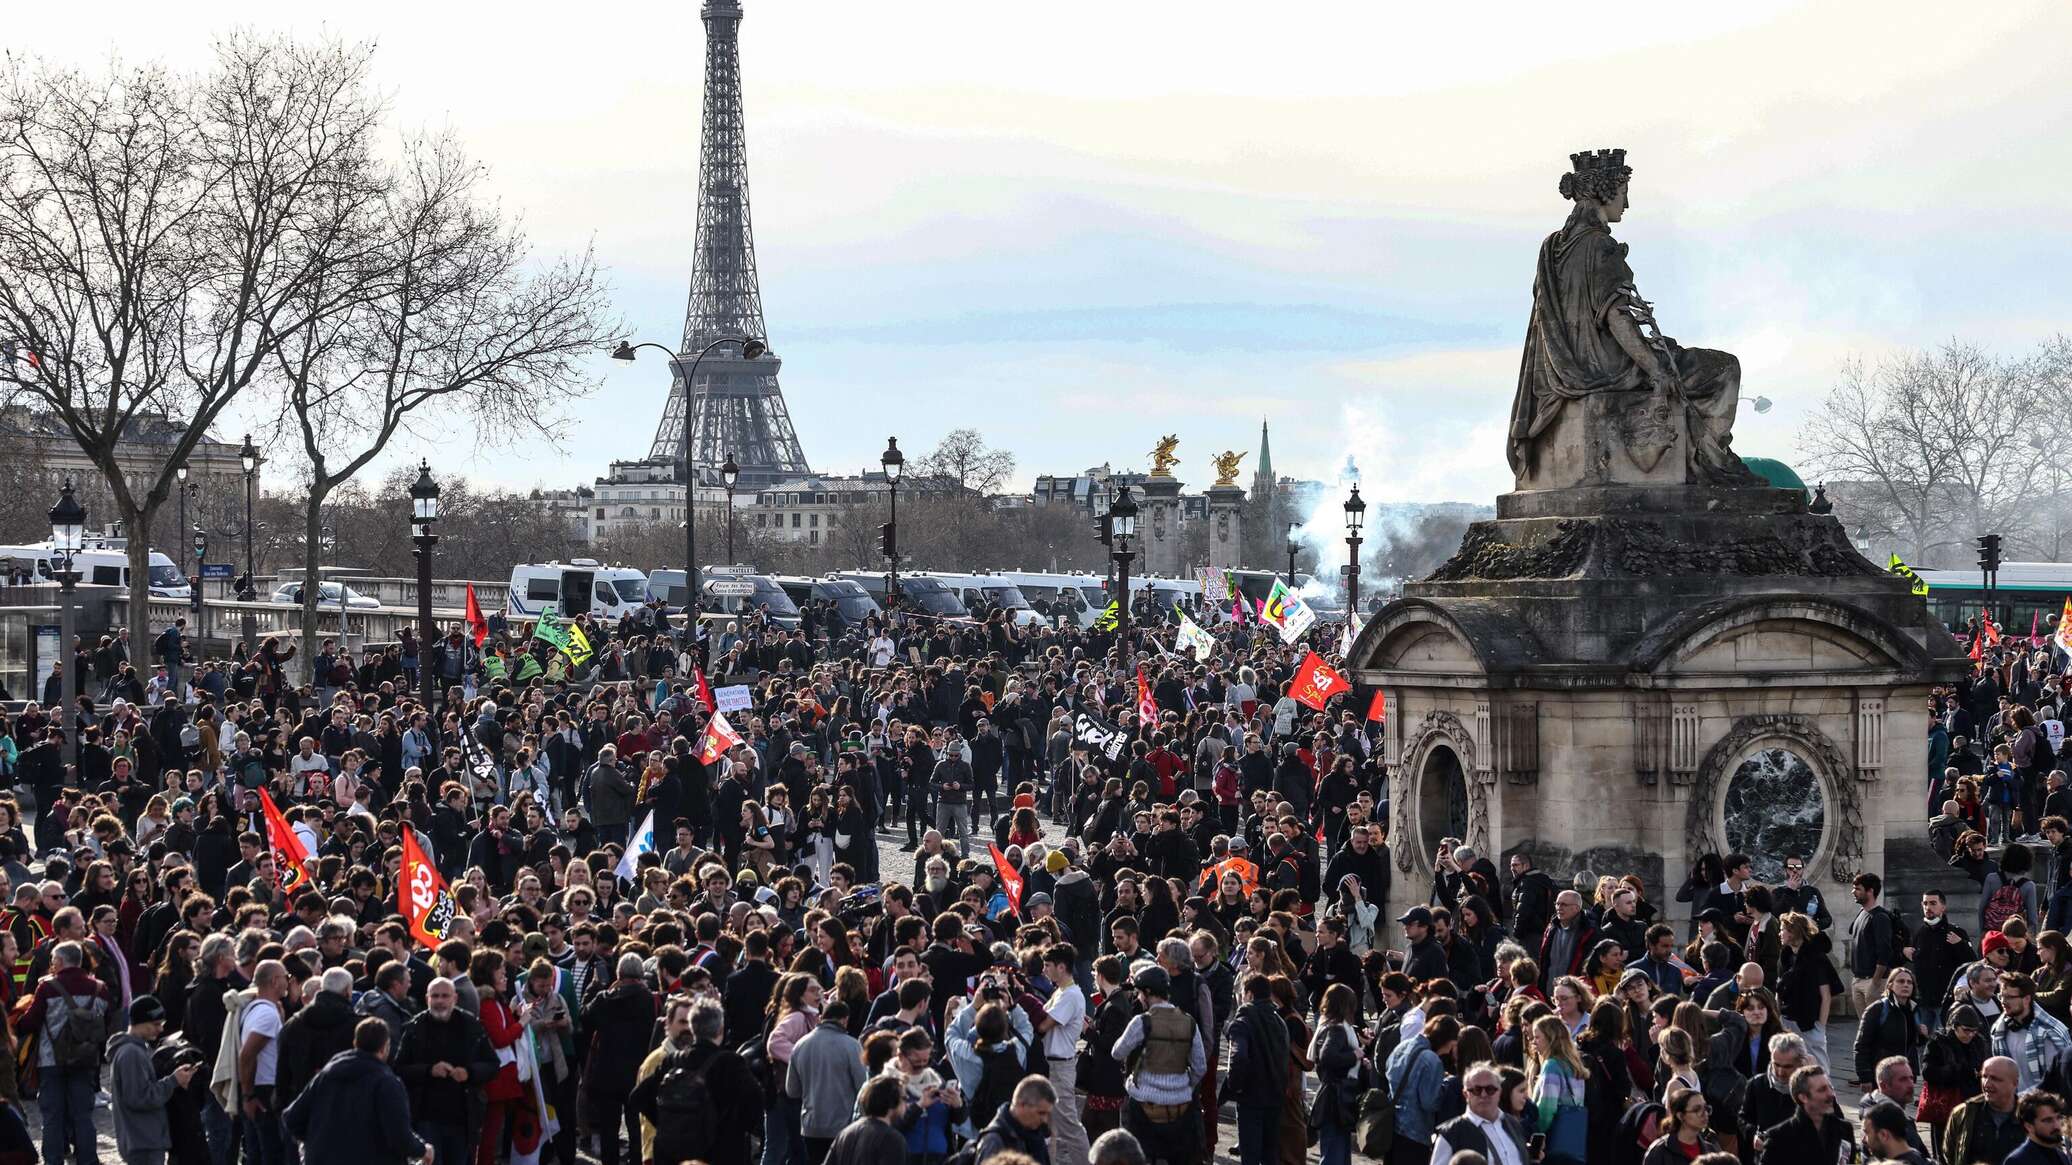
[
  {"x": 1436, "y": 792},
  {"x": 1769, "y": 753}
]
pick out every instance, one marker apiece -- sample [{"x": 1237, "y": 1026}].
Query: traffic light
[
  {"x": 888, "y": 541},
  {"x": 1989, "y": 553},
  {"x": 1101, "y": 531}
]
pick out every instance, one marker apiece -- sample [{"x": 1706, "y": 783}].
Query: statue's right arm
[{"x": 1627, "y": 333}]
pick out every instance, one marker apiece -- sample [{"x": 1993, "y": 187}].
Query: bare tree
[
  {"x": 1935, "y": 447},
  {"x": 438, "y": 315},
  {"x": 964, "y": 457},
  {"x": 158, "y": 232}
]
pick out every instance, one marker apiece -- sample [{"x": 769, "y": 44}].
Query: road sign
[
  {"x": 218, "y": 570},
  {"x": 732, "y": 588}
]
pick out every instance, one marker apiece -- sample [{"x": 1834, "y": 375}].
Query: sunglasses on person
[{"x": 1483, "y": 1090}]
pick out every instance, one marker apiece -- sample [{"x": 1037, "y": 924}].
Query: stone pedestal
[
  {"x": 1226, "y": 527},
  {"x": 1609, "y": 438},
  {"x": 1158, "y": 527},
  {"x": 1621, "y": 677}
]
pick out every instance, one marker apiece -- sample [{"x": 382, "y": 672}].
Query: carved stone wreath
[
  {"x": 1434, "y": 728},
  {"x": 1702, "y": 832}
]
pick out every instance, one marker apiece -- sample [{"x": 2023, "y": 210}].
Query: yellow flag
[
  {"x": 578, "y": 646},
  {"x": 1907, "y": 572}
]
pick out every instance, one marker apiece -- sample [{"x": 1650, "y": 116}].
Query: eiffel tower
[{"x": 736, "y": 406}]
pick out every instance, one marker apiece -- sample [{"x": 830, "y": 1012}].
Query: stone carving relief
[
  {"x": 1408, "y": 777},
  {"x": 1704, "y": 831}
]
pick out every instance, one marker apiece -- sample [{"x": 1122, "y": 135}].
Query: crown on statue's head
[{"x": 1598, "y": 174}]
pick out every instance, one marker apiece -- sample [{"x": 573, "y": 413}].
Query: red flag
[
  {"x": 720, "y": 739},
  {"x": 1237, "y": 608},
  {"x": 1147, "y": 708},
  {"x": 288, "y": 854},
  {"x": 1377, "y": 708},
  {"x": 1992, "y": 632},
  {"x": 421, "y": 896},
  {"x": 476, "y": 623},
  {"x": 1316, "y": 682},
  {"x": 1010, "y": 878},
  {"x": 704, "y": 689},
  {"x": 2035, "y": 631},
  {"x": 1977, "y": 656}
]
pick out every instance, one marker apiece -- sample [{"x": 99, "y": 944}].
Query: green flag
[{"x": 551, "y": 628}]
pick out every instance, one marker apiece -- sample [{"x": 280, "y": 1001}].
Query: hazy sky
[{"x": 1078, "y": 226}]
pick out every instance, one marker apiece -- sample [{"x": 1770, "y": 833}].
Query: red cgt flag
[
  {"x": 1010, "y": 878},
  {"x": 1316, "y": 682},
  {"x": 720, "y": 739},
  {"x": 288, "y": 854},
  {"x": 421, "y": 896},
  {"x": 704, "y": 689},
  {"x": 1377, "y": 708},
  {"x": 476, "y": 623},
  {"x": 1147, "y": 708}
]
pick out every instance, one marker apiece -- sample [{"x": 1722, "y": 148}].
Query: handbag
[{"x": 1374, "y": 1132}]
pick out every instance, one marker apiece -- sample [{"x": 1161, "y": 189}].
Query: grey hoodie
[{"x": 138, "y": 1097}]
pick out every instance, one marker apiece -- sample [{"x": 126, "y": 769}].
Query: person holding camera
[{"x": 137, "y": 1094}]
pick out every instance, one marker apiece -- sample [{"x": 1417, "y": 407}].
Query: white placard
[{"x": 733, "y": 699}]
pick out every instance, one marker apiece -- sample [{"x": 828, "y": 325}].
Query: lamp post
[
  {"x": 67, "y": 535},
  {"x": 1355, "y": 516},
  {"x": 893, "y": 461},
  {"x": 750, "y": 349},
  {"x": 424, "y": 511},
  {"x": 248, "y": 457},
  {"x": 1122, "y": 526},
  {"x": 201, "y": 551},
  {"x": 180, "y": 477},
  {"x": 1292, "y": 548},
  {"x": 729, "y": 473}
]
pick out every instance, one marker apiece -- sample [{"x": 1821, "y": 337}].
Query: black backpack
[
  {"x": 78, "y": 1043},
  {"x": 685, "y": 1114},
  {"x": 1004, "y": 1068}
]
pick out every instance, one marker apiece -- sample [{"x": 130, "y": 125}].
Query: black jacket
[
  {"x": 620, "y": 1021},
  {"x": 735, "y": 1094},
  {"x": 1799, "y": 1141},
  {"x": 1532, "y": 907},
  {"x": 1007, "y": 1133},
  {"x": 354, "y": 1112},
  {"x": 458, "y": 1040},
  {"x": 310, "y": 1038},
  {"x": 1258, "y": 1057}
]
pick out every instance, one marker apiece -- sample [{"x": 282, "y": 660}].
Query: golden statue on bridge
[
  {"x": 1162, "y": 459},
  {"x": 1226, "y": 467}
]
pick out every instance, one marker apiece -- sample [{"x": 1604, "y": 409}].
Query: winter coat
[
  {"x": 310, "y": 1038},
  {"x": 1258, "y": 1058},
  {"x": 137, "y": 1095},
  {"x": 354, "y": 1112},
  {"x": 620, "y": 1021},
  {"x": 1887, "y": 1028}
]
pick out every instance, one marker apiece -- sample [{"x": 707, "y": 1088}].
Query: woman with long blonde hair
[{"x": 1559, "y": 1086}]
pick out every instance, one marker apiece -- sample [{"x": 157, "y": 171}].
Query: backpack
[
  {"x": 1902, "y": 938},
  {"x": 2005, "y": 903},
  {"x": 1374, "y": 1131},
  {"x": 1002, "y": 1071},
  {"x": 78, "y": 1043},
  {"x": 684, "y": 1108},
  {"x": 190, "y": 736}
]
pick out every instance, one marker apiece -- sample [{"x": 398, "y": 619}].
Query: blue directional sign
[{"x": 223, "y": 570}]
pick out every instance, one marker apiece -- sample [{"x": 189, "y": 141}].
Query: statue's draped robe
[{"x": 1570, "y": 352}]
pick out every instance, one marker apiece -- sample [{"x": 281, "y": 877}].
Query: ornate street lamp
[
  {"x": 892, "y": 460},
  {"x": 1122, "y": 526},
  {"x": 248, "y": 456},
  {"x": 424, "y": 513},
  {"x": 67, "y": 536},
  {"x": 729, "y": 473},
  {"x": 1355, "y": 517}
]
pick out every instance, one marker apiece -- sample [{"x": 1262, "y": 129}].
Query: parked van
[
  {"x": 929, "y": 596},
  {"x": 574, "y": 588},
  {"x": 1165, "y": 592},
  {"x": 100, "y": 563},
  {"x": 852, "y": 604},
  {"x": 1079, "y": 598},
  {"x": 987, "y": 592}
]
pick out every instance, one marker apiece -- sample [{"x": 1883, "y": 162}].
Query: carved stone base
[{"x": 1627, "y": 438}]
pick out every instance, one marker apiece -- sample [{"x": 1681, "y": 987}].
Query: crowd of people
[{"x": 1150, "y": 892}]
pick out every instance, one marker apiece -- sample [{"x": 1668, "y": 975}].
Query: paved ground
[{"x": 897, "y": 863}]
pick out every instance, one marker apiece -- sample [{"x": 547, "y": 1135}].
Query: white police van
[
  {"x": 101, "y": 562},
  {"x": 576, "y": 587}
]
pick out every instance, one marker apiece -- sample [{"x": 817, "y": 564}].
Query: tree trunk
[
  {"x": 312, "y": 580},
  {"x": 138, "y": 523}
]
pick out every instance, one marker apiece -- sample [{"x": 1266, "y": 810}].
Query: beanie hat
[
  {"x": 1965, "y": 1015},
  {"x": 1995, "y": 941},
  {"x": 1056, "y": 861}
]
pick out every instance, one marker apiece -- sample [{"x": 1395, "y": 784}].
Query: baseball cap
[{"x": 1416, "y": 914}]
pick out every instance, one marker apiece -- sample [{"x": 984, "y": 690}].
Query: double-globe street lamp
[
  {"x": 751, "y": 349},
  {"x": 1355, "y": 517},
  {"x": 248, "y": 589},
  {"x": 1122, "y": 526},
  {"x": 67, "y": 536},
  {"x": 424, "y": 511},
  {"x": 893, "y": 461}
]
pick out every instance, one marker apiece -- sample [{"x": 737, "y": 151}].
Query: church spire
[{"x": 1263, "y": 468}]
